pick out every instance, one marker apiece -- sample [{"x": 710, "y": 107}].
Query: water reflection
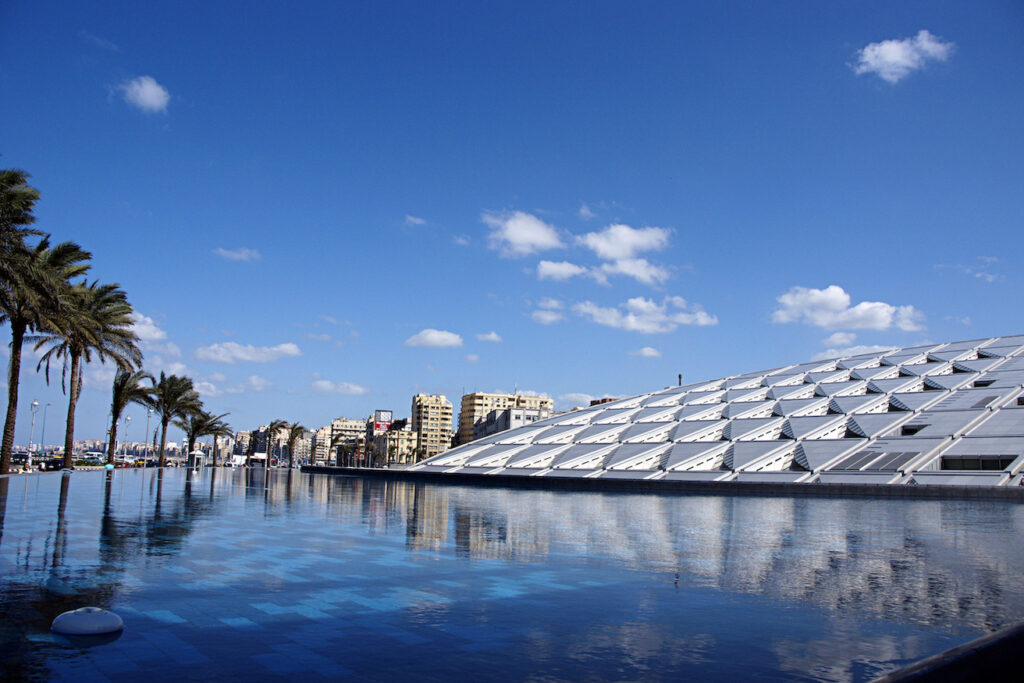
[
  {"x": 932, "y": 562},
  {"x": 283, "y": 537}
]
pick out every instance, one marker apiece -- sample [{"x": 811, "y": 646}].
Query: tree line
[{"x": 49, "y": 303}]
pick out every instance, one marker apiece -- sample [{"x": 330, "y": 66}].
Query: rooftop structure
[{"x": 940, "y": 414}]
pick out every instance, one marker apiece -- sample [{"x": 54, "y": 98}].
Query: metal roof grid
[{"x": 908, "y": 415}]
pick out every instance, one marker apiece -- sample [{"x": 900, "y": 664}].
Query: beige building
[
  {"x": 432, "y": 422},
  {"x": 351, "y": 435},
  {"x": 476, "y": 406},
  {"x": 395, "y": 446},
  {"x": 321, "y": 446}
]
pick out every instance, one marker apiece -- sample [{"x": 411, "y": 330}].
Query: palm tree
[
  {"x": 128, "y": 388},
  {"x": 337, "y": 440},
  {"x": 172, "y": 397},
  {"x": 194, "y": 425},
  {"x": 218, "y": 428},
  {"x": 97, "y": 319},
  {"x": 251, "y": 450},
  {"x": 200, "y": 424},
  {"x": 17, "y": 201},
  {"x": 294, "y": 433},
  {"x": 272, "y": 429},
  {"x": 29, "y": 301}
]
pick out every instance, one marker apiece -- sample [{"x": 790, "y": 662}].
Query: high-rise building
[
  {"x": 320, "y": 449},
  {"x": 476, "y": 406},
  {"x": 432, "y": 422}
]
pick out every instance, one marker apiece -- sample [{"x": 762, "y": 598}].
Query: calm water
[{"x": 218, "y": 574}]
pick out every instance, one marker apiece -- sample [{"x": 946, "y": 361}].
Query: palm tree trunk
[
  {"x": 163, "y": 440},
  {"x": 215, "y": 450},
  {"x": 13, "y": 376},
  {"x": 69, "y": 430},
  {"x": 112, "y": 446}
]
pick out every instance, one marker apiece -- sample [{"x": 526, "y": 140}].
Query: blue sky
[{"x": 321, "y": 209}]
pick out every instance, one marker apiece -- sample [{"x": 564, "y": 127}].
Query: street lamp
[
  {"x": 42, "y": 436},
  {"x": 149, "y": 414},
  {"x": 127, "y": 422},
  {"x": 31, "y": 433}
]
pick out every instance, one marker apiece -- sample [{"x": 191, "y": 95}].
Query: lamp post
[
  {"x": 42, "y": 436},
  {"x": 31, "y": 433},
  {"x": 149, "y": 414},
  {"x": 127, "y": 421}
]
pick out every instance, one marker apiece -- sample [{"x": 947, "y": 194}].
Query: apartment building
[
  {"x": 509, "y": 418},
  {"x": 476, "y": 407},
  {"x": 432, "y": 422},
  {"x": 395, "y": 446}
]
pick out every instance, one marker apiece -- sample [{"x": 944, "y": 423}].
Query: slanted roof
[{"x": 919, "y": 416}]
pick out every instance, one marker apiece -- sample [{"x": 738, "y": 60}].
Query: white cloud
[
  {"x": 461, "y": 240},
  {"x": 520, "y": 234},
  {"x": 232, "y": 352},
  {"x": 894, "y": 60},
  {"x": 574, "y": 400},
  {"x": 146, "y": 94},
  {"x": 346, "y": 388},
  {"x": 179, "y": 369},
  {"x": 851, "y": 351},
  {"x": 434, "y": 339},
  {"x": 252, "y": 384},
  {"x": 414, "y": 220},
  {"x": 585, "y": 213},
  {"x": 646, "y": 352},
  {"x": 830, "y": 308},
  {"x": 547, "y": 317},
  {"x": 472, "y": 358},
  {"x": 491, "y": 336},
  {"x": 99, "y": 376},
  {"x": 619, "y": 242},
  {"x": 240, "y": 254},
  {"x": 97, "y": 41},
  {"x": 558, "y": 270},
  {"x": 839, "y": 339},
  {"x": 637, "y": 268},
  {"x": 324, "y": 337},
  {"x": 169, "y": 349},
  {"x": 646, "y": 316},
  {"x": 982, "y": 271},
  {"x": 257, "y": 383},
  {"x": 550, "y": 303},
  {"x": 146, "y": 328}
]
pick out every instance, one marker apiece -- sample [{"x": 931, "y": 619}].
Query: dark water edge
[{"x": 222, "y": 573}]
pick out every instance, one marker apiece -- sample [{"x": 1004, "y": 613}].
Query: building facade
[
  {"x": 476, "y": 407},
  {"x": 432, "y": 422},
  {"x": 395, "y": 446},
  {"x": 509, "y": 418}
]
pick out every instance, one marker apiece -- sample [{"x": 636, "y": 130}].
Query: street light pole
[
  {"x": 31, "y": 433},
  {"x": 149, "y": 414},
  {"x": 42, "y": 437},
  {"x": 127, "y": 422}
]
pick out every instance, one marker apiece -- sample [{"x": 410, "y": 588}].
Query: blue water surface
[{"x": 222, "y": 574}]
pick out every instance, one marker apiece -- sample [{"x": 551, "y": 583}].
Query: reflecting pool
[{"x": 221, "y": 573}]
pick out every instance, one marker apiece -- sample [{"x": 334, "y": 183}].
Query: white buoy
[{"x": 87, "y": 621}]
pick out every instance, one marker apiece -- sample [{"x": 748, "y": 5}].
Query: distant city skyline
[{"x": 324, "y": 211}]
